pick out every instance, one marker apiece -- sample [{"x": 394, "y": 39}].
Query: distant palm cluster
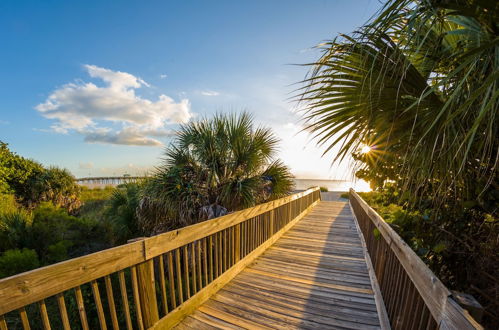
[{"x": 215, "y": 166}]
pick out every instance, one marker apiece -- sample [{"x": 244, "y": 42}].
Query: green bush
[
  {"x": 324, "y": 189},
  {"x": 122, "y": 212},
  {"x": 15, "y": 230},
  {"x": 31, "y": 183},
  {"x": 57, "y": 186},
  {"x": 7, "y": 203},
  {"x": 17, "y": 261},
  {"x": 58, "y": 251},
  {"x": 53, "y": 225},
  {"x": 96, "y": 194}
]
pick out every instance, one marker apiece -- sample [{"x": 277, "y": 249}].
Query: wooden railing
[
  {"x": 413, "y": 296},
  {"x": 154, "y": 282}
]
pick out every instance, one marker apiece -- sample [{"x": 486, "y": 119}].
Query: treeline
[
  {"x": 39, "y": 222},
  {"x": 214, "y": 166}
]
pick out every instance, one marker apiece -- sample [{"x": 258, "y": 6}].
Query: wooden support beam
[{"x": 147, "y": 293}]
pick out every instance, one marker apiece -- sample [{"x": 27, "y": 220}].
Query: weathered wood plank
[
  {"x": 194, "y": 323},
  {"x": 213, "y": 321},
  {"x": 292, "y": 279},
  {"x": 290, "y": 316},
  {"x": 300, "y": 300}
]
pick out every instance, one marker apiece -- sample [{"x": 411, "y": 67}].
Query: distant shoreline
[
  {"x": 300, "y": 184},
  {"x": 331, "y": 185}
]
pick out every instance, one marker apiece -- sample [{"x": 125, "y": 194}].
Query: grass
[
  {"x": 96, "y": 194},
  {"x": 94, "y": 202}
]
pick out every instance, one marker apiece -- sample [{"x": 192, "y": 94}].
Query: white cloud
[
  {"x": 127, "y": 136},
  {"x": 162, "y": 76},
  {"x": 90, "y": 109},
  {"x": 210, "y": 93}
]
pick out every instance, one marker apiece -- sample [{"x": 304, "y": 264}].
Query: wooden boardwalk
[
  {"x": 297, "y": 262},
  {"x": 315, "y": 276}
]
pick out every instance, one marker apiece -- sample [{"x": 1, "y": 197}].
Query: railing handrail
[
  {"x": 29, "y": 287},
  {"x": 437, "y": 297}
]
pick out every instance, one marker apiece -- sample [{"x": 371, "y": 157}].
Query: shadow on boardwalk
[
  {"x": 313, "y": 277},
  {"x": 342, "y": 289}
]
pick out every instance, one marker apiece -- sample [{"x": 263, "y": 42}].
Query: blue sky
[{"x": 99, "y": 86}]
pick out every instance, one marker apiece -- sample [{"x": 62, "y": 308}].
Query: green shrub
[
  {"x": 31, "y": 183},
  {"x": 17, "y": 261},
  {"x": 52, "y": 225},
  {"x": 96, "y": 194},
  {"x": 95, "y": 203},
  {"x": 324, "y": 189},
  {"x": 122, "y": 212},
  {"x": 7, "y": 203},
  {"x": 58, "y": 251},
  {"x": 57, "y": 186},
  {"x": 345, "y": 195},
  {"x": 15, "y": 230}
]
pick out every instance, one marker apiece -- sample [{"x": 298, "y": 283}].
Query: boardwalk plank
[
  {"x": 319, "y": 309},
  {"x": 315, "y": 276},
  {"x": 213, "y": 321}
]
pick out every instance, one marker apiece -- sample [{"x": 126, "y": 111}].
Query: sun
[{"x": 365, "y": 149}]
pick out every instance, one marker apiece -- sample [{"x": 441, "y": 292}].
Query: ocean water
[
  {"x": 300, "y": 184},
  {"x": 332, "y": 185}
]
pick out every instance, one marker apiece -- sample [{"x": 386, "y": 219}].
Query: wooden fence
[
  {"x": 414, "y": 297},
  {"x": 154, "y": 282}
]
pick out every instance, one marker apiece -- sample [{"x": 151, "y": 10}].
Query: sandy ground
[{"x": 333, "y": 196}]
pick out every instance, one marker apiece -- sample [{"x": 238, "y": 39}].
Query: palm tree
[
  {"x": 413, "y": 96},
  {"x": 214, "y": 166},
  {"x": 418, "y": 84},
  {"x": 122, "y": 212}
]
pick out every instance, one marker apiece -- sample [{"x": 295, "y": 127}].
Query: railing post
[
  {"x": 237, "y": 245},
  {"x": 272, "y": 221},
  {"x": 147, "y": 293},
  {"x": 147, "y": 288}
]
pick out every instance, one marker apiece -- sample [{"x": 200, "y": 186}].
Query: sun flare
[{"x": 365, "y": 149}]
